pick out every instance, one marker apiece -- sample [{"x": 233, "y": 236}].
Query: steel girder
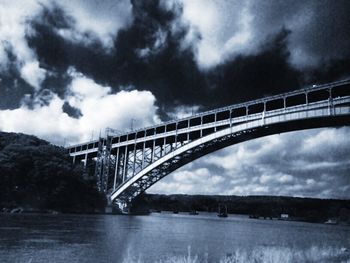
[
  {"x": 180, "y": 160},
  {"x": 245, "y": 131}
]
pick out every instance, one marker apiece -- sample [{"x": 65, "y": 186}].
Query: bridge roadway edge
[
  {"x": 141, "y": 158},
  {"x": 254, "y": 133}
]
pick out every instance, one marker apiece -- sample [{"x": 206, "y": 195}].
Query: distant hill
[
  {"x": 306, "y": 209},
  {"x": 37, "y": 175}
]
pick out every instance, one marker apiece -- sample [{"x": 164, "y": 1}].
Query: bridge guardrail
[
  {"x": 323, "y": 109},
  {"x": 230, "y": 121}
]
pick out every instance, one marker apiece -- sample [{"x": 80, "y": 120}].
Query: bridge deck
[
  {"x": 128, "y": 164},
  {"x": 203, "y": 123},
  {"x": 318, "y": 109}
]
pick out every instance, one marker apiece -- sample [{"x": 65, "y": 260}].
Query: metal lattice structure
[
  {"x": 142, "y": 157},
  {"x": 103, "y": 163}
]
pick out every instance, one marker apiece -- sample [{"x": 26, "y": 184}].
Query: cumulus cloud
[
  {"x": 159, "y": 47},
  {"x": 103, "y": 19},
  {"x": 224, "y": 29},
  {"x": 33, "y": 74},
  {"x": 14, "y": 16},
  {"x": 84, "y": 22},
  {"x": 183, "y": 111},
  {"x": 275, "y": 165},
  {"x": 231, "y": 28},
  {"x": 99, "y": 108},
  {"x": 186, "y": 181},
  {"x": 334, "y": 141}
]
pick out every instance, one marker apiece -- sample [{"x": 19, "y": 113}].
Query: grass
[
  {"x": 288, "y": 255},
  {"x": 264, "y": 255}
]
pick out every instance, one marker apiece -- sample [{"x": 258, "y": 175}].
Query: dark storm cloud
[
  {"x": 56, "y": 53},
  {"x": 12, "y": 86},
  {"x": 329, "y": 71},
  {"x": 150, "y": 55},
  {"x": 252, "y": 76},
  {"x": 297, "y": 43},
  {"x": 71, "y": 111},
  {"x": 166, "y": 69},
  {"x": 15, "y": 89},
  {"x": 12, "y": 89},
  {"x": 328, "y": 37},
  {"x": 320, "y": 29}
]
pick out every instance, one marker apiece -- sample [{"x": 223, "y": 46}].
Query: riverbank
[{"x": 264, "y": 207}]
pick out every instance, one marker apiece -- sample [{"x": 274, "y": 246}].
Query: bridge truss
[{"x": 128, "y": 164}]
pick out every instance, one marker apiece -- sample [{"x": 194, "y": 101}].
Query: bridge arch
[
  {"x": 196, "y": 149},
  {"x": 143, "y": 157}
]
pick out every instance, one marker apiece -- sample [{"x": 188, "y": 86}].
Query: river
[{"x": 167, "y": 237}]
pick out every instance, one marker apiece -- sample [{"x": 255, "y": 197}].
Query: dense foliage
[{"x": 35, "y": 174}]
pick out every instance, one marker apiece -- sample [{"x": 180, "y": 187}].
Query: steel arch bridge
[{"x": 128, "y": 164}]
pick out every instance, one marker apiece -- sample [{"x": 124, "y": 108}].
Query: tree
[{"x": 37, "y": 174}]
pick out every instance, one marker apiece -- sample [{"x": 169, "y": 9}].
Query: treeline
[
  {"x": 36, "y": 175},
  {"x": 307, "y": 209}
]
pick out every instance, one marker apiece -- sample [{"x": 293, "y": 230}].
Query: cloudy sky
[{"x": 69, "y": 69}]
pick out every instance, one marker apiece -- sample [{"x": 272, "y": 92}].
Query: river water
[{"x": 167, "y": 237}]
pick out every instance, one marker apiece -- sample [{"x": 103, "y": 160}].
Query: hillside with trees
[
  {"x": 36, "y": 175},
  {"x": 303, "y": 209}
]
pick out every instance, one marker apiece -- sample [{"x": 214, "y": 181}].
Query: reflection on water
[{"x": 167, "y": 238}]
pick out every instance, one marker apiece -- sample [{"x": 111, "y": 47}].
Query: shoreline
[{"x": 165, "y": 212}]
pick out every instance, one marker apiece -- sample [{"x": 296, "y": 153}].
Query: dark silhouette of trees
[
  {"x": 305, "y": 209},
  {"x": 38, "y": 175}
]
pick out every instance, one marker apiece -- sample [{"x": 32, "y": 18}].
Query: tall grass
[
  {"x": 263, "y": 255},
  {"x": 288, "y": 255}
]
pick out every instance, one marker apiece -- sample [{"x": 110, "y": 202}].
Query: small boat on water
[
  {"x": 222, "y": 212},
  {"x": 331, "y": 222}
]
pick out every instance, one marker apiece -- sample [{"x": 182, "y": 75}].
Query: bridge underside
[
  {"x": 147, "y": 180},
  {"x": 127, "y": 164}
]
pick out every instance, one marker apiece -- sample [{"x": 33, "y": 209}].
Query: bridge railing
[
  {"x": 160, "y": 130},
  {"x": 314, "y": 110},
  {"x": 279, "y": 113}
]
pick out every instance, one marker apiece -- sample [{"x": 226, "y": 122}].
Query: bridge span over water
[{"x": 128, "y": 164}]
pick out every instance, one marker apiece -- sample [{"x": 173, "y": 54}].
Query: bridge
[{"x": 127, "y": 164}]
